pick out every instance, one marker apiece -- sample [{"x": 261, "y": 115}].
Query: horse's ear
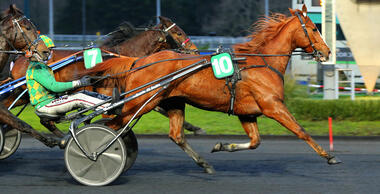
[
  {"x": 162, "y": 19},
  {"x": 12, "y": 9},
  {"x": 165, "y": 20},
  {"x": 292, "y": 11},
  {"x": 304, "y": 10}
]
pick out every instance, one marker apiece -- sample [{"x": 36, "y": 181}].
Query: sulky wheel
[
  {"x": 12, "y": 139},
  {"x": 1, "y": 139},
  {"x": 108, "y": 166},
  {"x": 132, "y": 149},
  {"x": 130, "y": 141}
]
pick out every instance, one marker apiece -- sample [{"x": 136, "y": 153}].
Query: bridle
[
  {"x": 29, "y": 42},
  {"x": 180, "y": 45},
  {"x": 315, "y": 53}
]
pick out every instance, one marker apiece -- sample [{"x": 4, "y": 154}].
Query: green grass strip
[{"x": 220, "y": 123}]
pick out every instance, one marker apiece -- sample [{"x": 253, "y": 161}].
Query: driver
[{"x": 43, "y": 88}]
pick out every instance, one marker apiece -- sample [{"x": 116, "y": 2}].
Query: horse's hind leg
[
  {"x": 52, "y": 128},
  {"x": 12, "y": 121},
  {"x": 249, "y": 124},
  {"x": 176, "y": 118},
  {"x": 280, "y": 113}
]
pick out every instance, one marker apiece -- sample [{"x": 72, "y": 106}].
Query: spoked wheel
[
  {"x": 108, "y": 166},
  {"x": 1, "y": 140},
  {"x": 12, "y": 139},
  {"x": 130, "y": 141}
]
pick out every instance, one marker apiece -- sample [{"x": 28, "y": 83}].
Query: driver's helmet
[{"x": 48, "y": 42}]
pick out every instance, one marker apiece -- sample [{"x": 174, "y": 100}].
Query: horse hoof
[
  {"x": 51, "y": 142},
  {"x": 334, "y": 160},
  {"x": 209, "y": 170},
  {"x": 63, "y": 142},
  {"x": 200, "y": 132},
  {"x": 217, "y": 147}
]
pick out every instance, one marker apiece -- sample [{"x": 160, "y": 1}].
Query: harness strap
[
  {"x": 267, "y": 66},
  {"x": 231, "y": 83},
  {"x": 65, "y": 58},
  {"x": 273, "y": 69},
  {"x": 170, "y": 27},
  {"x": 15, "y": 21},
  {"x": 236, "y": 76},
  {"x": 100, "y": 78},
  {"x": 184, "y": 42},
  {"x": 265, "y": 55}
]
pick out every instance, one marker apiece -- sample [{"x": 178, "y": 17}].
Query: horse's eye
[
  {"x": 179, "y": 33},
  {"x": 315, "y": 29}
]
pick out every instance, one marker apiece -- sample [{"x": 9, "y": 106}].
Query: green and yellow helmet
[{"x": 48, "y": 42}]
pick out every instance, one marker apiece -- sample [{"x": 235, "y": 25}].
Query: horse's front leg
[
  {"x": 249, "y": 124},
  {"x": 279, "y": 112},
  {"x": 5, "y": 81},
  {"x": 188, "y": 126},
  {"x": 176, "y": 115}
]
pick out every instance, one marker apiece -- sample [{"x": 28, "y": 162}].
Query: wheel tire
[
  {"x": 1, "y": 139},
  {"x": 12, "y": 140},
  {"x": 130, "y": 141},
  {"x": 108, "y": 166}
]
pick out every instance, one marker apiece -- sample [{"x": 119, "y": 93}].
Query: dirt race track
[{"x": 277, "y": 166}]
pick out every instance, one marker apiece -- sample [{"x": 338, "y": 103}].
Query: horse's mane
[
  {"x": 122, "y": 33},
  {"x": 10, "y": 12},
  {"x": 264, "y": 30}
]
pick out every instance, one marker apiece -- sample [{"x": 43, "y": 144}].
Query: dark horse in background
[
  {"x": 124, "y": 41},
  {"x": 18, "y": 33},
  {"x": 259, "y": 92}
]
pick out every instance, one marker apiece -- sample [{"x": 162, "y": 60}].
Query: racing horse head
[
  {"x": 136, "y": 42},
  {"x": 177, "y": 35},
  {"x": 308, "y": 36},
  {"x": 18, "y": 33}
]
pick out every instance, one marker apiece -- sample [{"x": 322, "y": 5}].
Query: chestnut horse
[
  {"x": 17, "y": 33},
  {"x": 259, "y": 92},
  {"x": 124, "y": 41}
]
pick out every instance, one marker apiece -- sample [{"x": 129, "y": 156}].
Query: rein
[
  {"x": 114, "y": 76},
  {"x": 194, "y": 57}
]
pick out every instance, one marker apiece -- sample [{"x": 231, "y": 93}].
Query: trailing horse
[
  {"x": 258, "y": 91},
  {"x": 18, "y": 35},
  {"x": 124, "y": 41}
]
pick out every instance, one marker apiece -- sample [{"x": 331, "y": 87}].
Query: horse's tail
[{"x": 110, "y": 66}]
